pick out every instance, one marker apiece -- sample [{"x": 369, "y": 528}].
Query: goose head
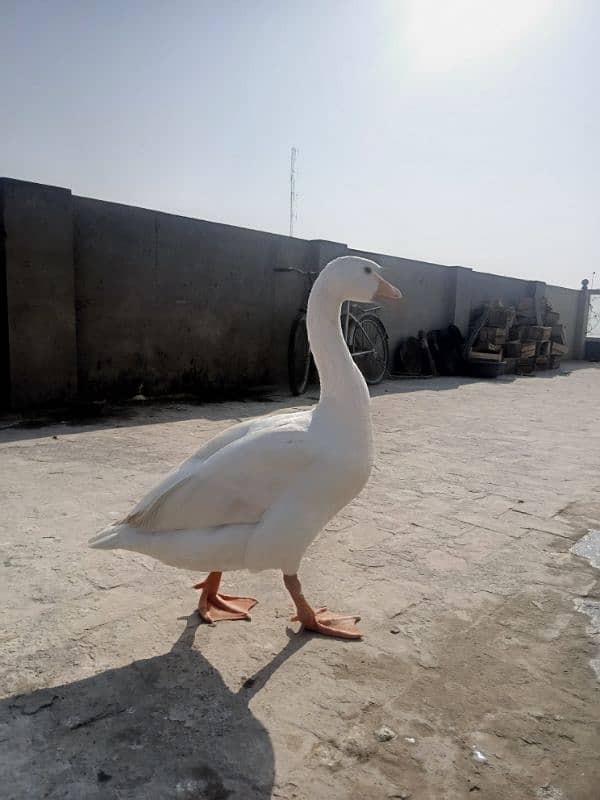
[{"x": 357, "y": 279}]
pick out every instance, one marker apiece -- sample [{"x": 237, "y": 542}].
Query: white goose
[{"x": 257, "y": 495}]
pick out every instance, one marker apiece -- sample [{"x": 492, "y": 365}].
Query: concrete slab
[{"x": 456, "y": 554}]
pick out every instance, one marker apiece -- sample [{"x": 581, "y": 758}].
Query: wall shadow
[
  {"x": 160, "y": 728},
  {"x": 400, "y": 385},
  {"x": 95, "y": 417}
]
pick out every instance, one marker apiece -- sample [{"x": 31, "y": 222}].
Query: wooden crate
[
  {"x": 516, "y": 333},
  {"x": 542, "y": 349},
  {"x": 487, "y": 349},
  {"x": 481, "y": 356},
  {"x": 500, "y": 317},
  {"x": 555, "y": 362},
  {"x": 485, "y": 369},
  {"x": 528, "y": 349},
  {"x": 558, "y": 334},
  {"x": 492, "y": 335},
  {"x": 542, "y": 362},
  {"x": 551, "y": 318},
  {"x": 540, "y": 333},
  {"x": 534, "y": 332},
  {"x": 510, "y": 365},
  {"x": 513, "y": 349},
  {"x": 558, "y": 349},
  {"x": 525, "y": 366},
  {"x": 526, "y": 319}
]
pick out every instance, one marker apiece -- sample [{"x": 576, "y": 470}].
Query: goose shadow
[{"x": 159, "y": 728}]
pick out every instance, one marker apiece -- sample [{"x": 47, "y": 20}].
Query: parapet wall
[{"x": 97, "y": 298}]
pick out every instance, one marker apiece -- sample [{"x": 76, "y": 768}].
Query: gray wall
[
  {"x": 179, "y": 304},
  {"x": 427, "y": 290},
  {"x": 566, "y": 302},
  {"x": 485, "y": 287},
  {"x": 39, "y": 335},
  {"x": 97, "y": 298}
]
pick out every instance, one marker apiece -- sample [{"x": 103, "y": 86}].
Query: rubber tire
[
  {"x": 379, "y": 333},
  {"x": 299, "y": 356}
]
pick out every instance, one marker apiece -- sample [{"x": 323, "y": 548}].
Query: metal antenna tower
[{"x": 293, "y": 195}]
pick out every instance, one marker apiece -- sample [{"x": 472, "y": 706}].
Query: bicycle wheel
[
  {"x": 299, "y": 357},
  {"x": 369, "y": 348}
]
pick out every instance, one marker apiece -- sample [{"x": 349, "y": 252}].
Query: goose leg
[
  {"x": 214, "y": 607},
  {"x": 320, "y": 620}
]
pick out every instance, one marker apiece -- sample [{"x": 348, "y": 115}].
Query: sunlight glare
[{"x": 445, "y": 34}]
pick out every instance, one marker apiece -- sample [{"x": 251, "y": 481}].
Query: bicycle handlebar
[{"x": 295, "y": 269}]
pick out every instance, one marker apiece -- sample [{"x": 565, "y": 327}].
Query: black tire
[
  {"x": 299, "y": 357},
  {"x": 369, "y": 334}
]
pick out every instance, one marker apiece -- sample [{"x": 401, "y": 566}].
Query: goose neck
[{"x": 342, "y": 383}]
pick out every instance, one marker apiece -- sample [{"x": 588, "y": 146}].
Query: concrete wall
[
  {"x": 567, "y": 303},
  {"x": 593, "y": 326},
  {"x": 428, "y": 295},
  {"x": 37, "y": 261},
  {"x": 97, "y": 298},
  {"x": 4, "y": 337},
  {"x": 485, "y": 288},
  {"x": 179, "y": 304}
]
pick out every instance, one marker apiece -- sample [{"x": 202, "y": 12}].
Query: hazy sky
[{"x": 456, "y": 131}]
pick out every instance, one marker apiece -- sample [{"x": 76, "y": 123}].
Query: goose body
[{"x": 255, "y": 496}]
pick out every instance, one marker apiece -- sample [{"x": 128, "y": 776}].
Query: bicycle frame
[{"x": 346, "y": 315}]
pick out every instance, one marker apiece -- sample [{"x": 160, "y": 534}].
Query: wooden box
[
  {"x": 534, "y": 332},
  {"x": 479, "y": 356},
  {"x": 510, "y": 366},
  {"x": 542, "y": 362},
  {"x": 539, "y": 333},
  {"x": 542, "y": 349},
  {"x": 486, "y": 348},
  {"x": 513, "y": 349},
  {"x": 525, "y": 366},
  {"x": 492, "y": 335},
  {"x": 558, "y": 334},
  {"x": 559, "y": 349},
  {"x": 528, "y": 349},
  {"x": 516, "y": 333},
  {"x": 526, "y": 319},
  {"x": 500, "y": 317}
]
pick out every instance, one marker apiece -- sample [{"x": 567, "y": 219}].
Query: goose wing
[{"x": 234, "y": 479}]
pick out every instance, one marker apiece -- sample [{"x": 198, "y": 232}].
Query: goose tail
[{"x": 110, "y": 538}]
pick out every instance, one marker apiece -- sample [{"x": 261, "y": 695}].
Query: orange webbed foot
[
  {"x": 322, "y": 621},
  {"x": 215, "y": 607}
]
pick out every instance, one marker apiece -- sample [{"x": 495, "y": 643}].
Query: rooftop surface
[{"x": 457, "y": 555}]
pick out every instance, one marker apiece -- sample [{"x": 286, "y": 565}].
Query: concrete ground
[{"x": 456, "y": 554}]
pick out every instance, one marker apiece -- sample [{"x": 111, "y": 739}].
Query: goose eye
[{"x": 368, "y": 270}]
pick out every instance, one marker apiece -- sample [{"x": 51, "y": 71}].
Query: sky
[{"x": 454, "y": 131}]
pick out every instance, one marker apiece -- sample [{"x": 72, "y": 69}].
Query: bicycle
[{"x": 364, "y": 333}]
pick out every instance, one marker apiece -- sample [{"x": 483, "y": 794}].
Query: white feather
[{"x": 255, "y": 496}]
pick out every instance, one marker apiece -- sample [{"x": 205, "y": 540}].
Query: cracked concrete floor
[{"x": 457, "y": 555}]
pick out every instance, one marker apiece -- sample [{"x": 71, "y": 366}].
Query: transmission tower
[{"x": 293, "y": 195}]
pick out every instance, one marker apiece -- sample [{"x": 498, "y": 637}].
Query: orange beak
[{"x": 385, "y": 291}]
